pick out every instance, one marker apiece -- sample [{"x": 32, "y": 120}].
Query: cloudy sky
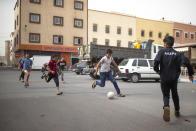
[{"x": 173, "y": 10}]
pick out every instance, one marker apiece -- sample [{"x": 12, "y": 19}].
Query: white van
[
  {"x": 39, "y": 60},
  {"x": 155, "y": 49},
  {"x": 136, "y": 69}
]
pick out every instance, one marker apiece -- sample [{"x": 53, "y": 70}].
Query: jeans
[
  {"x": 103, "y": 76},
  {"x": 166, "y": 87}
]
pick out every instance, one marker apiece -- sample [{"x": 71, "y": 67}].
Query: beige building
[
  {"x": 152, "y": 29},
  {"x": 46, "y": 27},
  {"x": 109, "y": 28}
]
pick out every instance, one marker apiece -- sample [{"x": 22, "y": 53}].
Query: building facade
[
  {"x": 184, "y": 33},
  {"x": 152, "y": 29},
  {"x": 45, "y": 27},
  {"x": 111, "y": 29}
]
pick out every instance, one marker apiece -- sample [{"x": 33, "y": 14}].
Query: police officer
[{"x": 167, "y": 64}]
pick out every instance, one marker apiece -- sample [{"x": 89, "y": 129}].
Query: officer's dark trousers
[{"x": 166, "y": 86}]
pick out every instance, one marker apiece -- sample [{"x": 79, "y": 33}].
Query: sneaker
[
  {"x": 177, "y": 113},
  {"x": 94, "y": 85},
  {"x": 121, "y": 95},
  {"x": 166, "y": 115}
]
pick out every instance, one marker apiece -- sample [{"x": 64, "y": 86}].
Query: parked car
[
  {"x": 136, "y": 69},
  {"x": 82, "y": 68}
]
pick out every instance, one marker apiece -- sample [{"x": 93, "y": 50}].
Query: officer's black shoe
[{"x": 177, "y": 113}]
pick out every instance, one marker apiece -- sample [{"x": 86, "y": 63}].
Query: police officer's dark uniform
[{"x": 167, "y": 64}]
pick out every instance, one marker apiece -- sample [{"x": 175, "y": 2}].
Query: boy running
[
  {"x": 105, "y": 72},
  {"x": 27, "y": 64},
  {"x": 52, "y": 73},
  {"x": 167, "y": 64}
]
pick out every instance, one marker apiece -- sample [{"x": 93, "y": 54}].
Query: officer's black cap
[{"x": 169, "y": 40}]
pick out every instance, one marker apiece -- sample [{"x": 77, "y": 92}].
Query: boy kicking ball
[{"x": 105, "y": 72}]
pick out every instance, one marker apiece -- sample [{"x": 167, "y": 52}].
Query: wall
[
  {"x": 46, "y": 29},
  {"x": 155, "y": 26},
  {"x": 113, "y": 20},
  {"x": 182, "y": 28}
]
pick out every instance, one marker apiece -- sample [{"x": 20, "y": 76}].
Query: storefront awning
[
  {"x": 55, "y": 48},
  {"x": 183, "y": 49}
]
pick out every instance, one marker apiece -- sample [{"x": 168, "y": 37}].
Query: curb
[{"x": 185, "y": 80}]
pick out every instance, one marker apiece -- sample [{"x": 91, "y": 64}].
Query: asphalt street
[{"x": 82, "y": 108}]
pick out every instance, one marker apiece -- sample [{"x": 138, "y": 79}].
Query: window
[
  {"x": 118, "y": 43},
  {"x": 17, "y": 20},
  {"x": 134, "y": 63},
  {"x": 130, "y": 45},
  {"x": 59, "y": 3},
  {"x": 124, "y": 62},
  {"x": 186, "y": 35},
  {"x": 34, "y": 38},
  {"x": 15, "y": 24},
  {"x": 154, "y": 48},
  {"x": 130, "y": 31},
  {"x": 151, "y": 62},
  {"x": 35, "y": 1},
  {"x": 57, "y": 39},
  {"x": 142, "y": 63},
  {"x": 95, "y": 41},
  {"x": 78, "y": 23},
  {"x": 142, "y": 33},
  {"x": 58, "y": 20},
  {"x": 94, "y": 27},
  {"x": 107, "y": 42},
  {"x": 78, "y": 41},
  {"x": 107, "y": 29},
  {"x": 160, "y": 35},
  {"x": 150, "y": 34},
  {"x": 78, "y": 5},
  {"x": 17, "y": 40},
  {"x": 192, "y": 36},
  {"x": 34, "y": 18},
  {"x": 177, "y": 34},
  {"x": 118, "y": 30}
]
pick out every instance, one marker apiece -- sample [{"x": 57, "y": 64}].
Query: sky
[{"x": 172, "y": 10}]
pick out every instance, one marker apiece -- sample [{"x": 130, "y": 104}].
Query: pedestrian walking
[
  {"x": 105, "y": 72},
  {"x": 22, "y": 74},
  {"x": 61, "y": 66},
  {"x": 53, "y": 73},
  {"x": 167, "y": 63}
]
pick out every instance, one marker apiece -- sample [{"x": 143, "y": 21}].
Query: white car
[{"x": 136, "y": 69}]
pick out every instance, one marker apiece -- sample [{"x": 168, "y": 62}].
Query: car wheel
[
  {"x": 77, "y": 73},
  {"x": 124, "y": 79},
  {"x": 135, "y": 78}
]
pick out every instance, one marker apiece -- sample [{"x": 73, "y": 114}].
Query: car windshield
[
  {"x": 124, "y": 62},
  {"x": 151, "y": 62},
  {"x": 82, "y": 64}
]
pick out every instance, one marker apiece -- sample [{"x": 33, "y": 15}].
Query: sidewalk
[{"x": 186, "y": 79}]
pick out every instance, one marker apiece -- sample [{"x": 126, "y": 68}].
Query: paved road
[{"x": 83, "y": 109}]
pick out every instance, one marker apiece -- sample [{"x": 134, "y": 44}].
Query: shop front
[{"x": 69, "y": 53}]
